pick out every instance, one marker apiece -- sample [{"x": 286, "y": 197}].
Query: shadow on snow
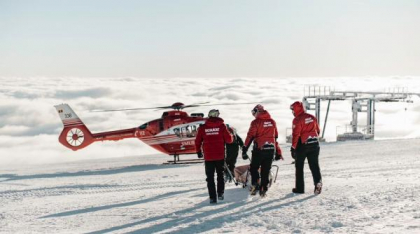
[
  {"x": 108, "y": 171},
  {"x": 193, "y": 215},
  {"x": 106, "y": 207}
]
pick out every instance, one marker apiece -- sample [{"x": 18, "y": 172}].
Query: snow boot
[
  {"x": 254, "y": 190},
  {"x": 318, "y": 188},
  {"x": 297, "y": 191},
  {"x": 263, "y": 192}
]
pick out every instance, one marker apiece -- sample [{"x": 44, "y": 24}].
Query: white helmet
[{"x": 214, "y": 113}]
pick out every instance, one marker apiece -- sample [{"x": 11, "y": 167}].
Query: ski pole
[
  {"x": 277, "y": 172},
  {"x": 230, "y": 173}
]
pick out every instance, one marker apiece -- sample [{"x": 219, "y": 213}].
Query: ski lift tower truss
[
  {"x": 314, "y": 95},
  {"x": 361, "y": 102},
  {"x": 365, "y": 102}
]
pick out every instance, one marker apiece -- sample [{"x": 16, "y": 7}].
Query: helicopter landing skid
[{"x": 186, "y": 161}]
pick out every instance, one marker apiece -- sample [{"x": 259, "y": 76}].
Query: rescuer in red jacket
[
  {"x": 305, "y": 144},
  {"x": 263, "y": 132},
  {"x": 210, "y": 140}
]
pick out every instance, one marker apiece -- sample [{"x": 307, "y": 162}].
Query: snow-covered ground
[{"x": 369, "y": 187}]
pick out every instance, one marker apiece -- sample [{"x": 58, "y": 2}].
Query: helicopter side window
[
  {"x": 194, "y": 130},
  {"x": 177, "y": 132},
  {"x": 188, "y": 131},
  {"x": 144, "y": 126},
  {"x": 183, "y": 132},
  {"x": 191, "y": 130}
]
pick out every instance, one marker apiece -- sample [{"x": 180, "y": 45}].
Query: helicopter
[{"x": 172, "y": 134}]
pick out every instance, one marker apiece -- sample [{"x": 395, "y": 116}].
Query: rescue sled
[{"x": 242, "y": 175}]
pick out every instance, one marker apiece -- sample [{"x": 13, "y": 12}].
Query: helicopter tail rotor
[{"x": 75, "y": 134}]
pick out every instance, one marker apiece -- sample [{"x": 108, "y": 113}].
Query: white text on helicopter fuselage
[
  {"x": 212, "y": 131},
  {"x": 187, "y": 143}
]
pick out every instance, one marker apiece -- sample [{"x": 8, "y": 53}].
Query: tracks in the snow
[{"x": 87, "y": 189}]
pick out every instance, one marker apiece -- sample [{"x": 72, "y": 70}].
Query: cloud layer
[{"x": 29, "y": 125}]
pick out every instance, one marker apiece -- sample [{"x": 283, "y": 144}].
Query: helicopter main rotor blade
[
  {"x": 131, "y": 109},
  {"x": 222, "y": 104},
  {"x": 196, "y": 104},
  {"x": 174, "y": 107}
]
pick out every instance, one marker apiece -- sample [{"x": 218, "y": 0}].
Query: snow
[
  {"x": 122, "y": 187},
  {"x": 369, "y": 187}
]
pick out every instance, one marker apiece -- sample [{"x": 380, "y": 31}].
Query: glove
[
  {"x": 200, "y": 154},
  {"x": 244, "y": 149},
  {"x": 278, "y": 157},
  {"x": 244, "y": 156},
  {"x": 293, "y": 153}
]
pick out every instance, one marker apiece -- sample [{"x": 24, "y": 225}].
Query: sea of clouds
[{"x": 29, "y": 124}]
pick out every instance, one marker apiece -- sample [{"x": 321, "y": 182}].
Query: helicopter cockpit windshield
[{"x": 143, "y": 126}]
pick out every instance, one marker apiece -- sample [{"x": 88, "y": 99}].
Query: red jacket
[
  {"x": 305, "y": 126},
  {"x": 212, "y": 137},
  {"x": 263, "y": 131}
]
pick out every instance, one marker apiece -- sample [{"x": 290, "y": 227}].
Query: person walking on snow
[
  {"x": 232, "y": 151},
  {"x": 210, "y": 141},
  {"x": 305, "y": 144},
  {"x": 263, "y": 132}
]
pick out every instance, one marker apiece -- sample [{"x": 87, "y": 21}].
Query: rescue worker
[
  {"x": 232, "y": 151},
  {"x": 305, "y": 144},
  {"x": 210, "y": 141},
  {"x": 263, "y": 132}
]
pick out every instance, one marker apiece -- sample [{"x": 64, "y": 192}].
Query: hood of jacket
[
  {"x": 298, "y": 109},
  {"x": 263, "y": 115},
  {"x": 214, "y": 121}
]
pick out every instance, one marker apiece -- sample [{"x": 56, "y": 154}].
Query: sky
[{"x": 189, "y": 38}]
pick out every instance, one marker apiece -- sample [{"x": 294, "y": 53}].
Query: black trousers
[
  {"x": 231, "y": 162},
  {"x": 263, "y": 159},
  {"x": 211, "y": 167},
  {"x": 232, "y": 151},
  {"x": 310, "y": 151}
]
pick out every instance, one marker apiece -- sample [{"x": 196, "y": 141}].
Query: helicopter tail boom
[{"x": 75, "y": 134}]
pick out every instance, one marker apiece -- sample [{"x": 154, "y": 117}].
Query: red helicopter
[{"x": 173, "y": 134}]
